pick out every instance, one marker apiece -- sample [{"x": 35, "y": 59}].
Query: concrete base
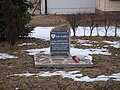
[{"x": 59, "y": 62}]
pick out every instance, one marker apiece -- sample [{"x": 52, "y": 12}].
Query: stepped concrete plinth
[{"x": 45, "y": 61}]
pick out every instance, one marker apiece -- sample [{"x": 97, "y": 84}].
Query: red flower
[{"x": 76, "y": 59}]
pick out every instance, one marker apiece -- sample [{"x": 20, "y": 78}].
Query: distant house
[
  {"x": 78, "y": 6},
  {"x": 108, "y": 5},
  {"x": 67, "y": 6}
]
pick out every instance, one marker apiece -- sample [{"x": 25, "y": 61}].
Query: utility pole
[
  {"x": 40, "y": 5},
  {"x": 45, "y": 6}
]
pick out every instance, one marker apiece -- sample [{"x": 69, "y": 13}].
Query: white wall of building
[
  {"x": 68, "y": 6},
  {"x": 107, "y": 5}
]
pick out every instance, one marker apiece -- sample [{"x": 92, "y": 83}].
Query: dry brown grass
[
  {"x": 103, "y": 64},
  {"x": 47, "y": 20},
  {"x": 106, "y": 65}
]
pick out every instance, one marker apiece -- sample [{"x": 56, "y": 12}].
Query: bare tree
[
  {"x": 84, "y": 22},
  {"x": 106, "y": 19},
  {"x": 116, "y": 17},
  {"x": 92, "y": 21},
  {"x": 97, "y": 29},
  {"x": 74, "y": 21}
]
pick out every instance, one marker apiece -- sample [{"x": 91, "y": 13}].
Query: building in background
[
  {"x": 67, "y": 6},
  {"x": 108, "y": 5},
  {"x": 74, "y": 6}
]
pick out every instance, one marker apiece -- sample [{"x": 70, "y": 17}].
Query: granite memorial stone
[{"x": 60, "y": 41}]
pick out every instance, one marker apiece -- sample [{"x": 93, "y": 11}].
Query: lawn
[{"x": 24, "y": 63}]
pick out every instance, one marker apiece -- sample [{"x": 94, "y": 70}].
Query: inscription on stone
[{"x": 60, "y": 43}]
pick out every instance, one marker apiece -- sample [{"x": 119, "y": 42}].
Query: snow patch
[
  {"x": 73, "y": 51},
  {"x": 27, "y": 44},
  {"x": 72, "y": 75},
  {"x": 24, "y": 74},
  {"x": 36, "y": 51},
  {"x": 115, "y": 44},
  {"x": 41, "y": 32},
  {"x": 6, "y": 56},
  {"x": 86, "y": 44},
  {"x": 44, "y": 32}
]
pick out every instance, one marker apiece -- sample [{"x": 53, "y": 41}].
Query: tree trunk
[
  {"x": 106, "y": 32},
  {"x": 116, "y": 30},
  {"x": 97, "y": 31},
  {"x": 84, "y": 30},
  {"x": 74, "y": 32},
  {"x": 91, "y": 30}
]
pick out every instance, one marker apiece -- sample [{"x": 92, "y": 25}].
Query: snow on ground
[
  {"x": 36, "y": 51},
  {"x": 41, "y": 32},
  {"x": 44, "y": 32},
  {"x": 72, "y": 75},
  {"x": 115, "y": 44},
  {"x": 27, "y": 44},
  {"x": 73, "y": 51},
  {"x": 5, "y": 56},
  {"x": 97, "y": 31},
  {"x": 86, "y": 44},
  {"x": 85, "y": 41}
]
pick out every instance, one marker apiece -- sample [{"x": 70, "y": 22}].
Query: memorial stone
[{"x": 60, "y": 41}]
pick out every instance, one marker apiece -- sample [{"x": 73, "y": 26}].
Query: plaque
[{"x": 60, "y": 42}]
